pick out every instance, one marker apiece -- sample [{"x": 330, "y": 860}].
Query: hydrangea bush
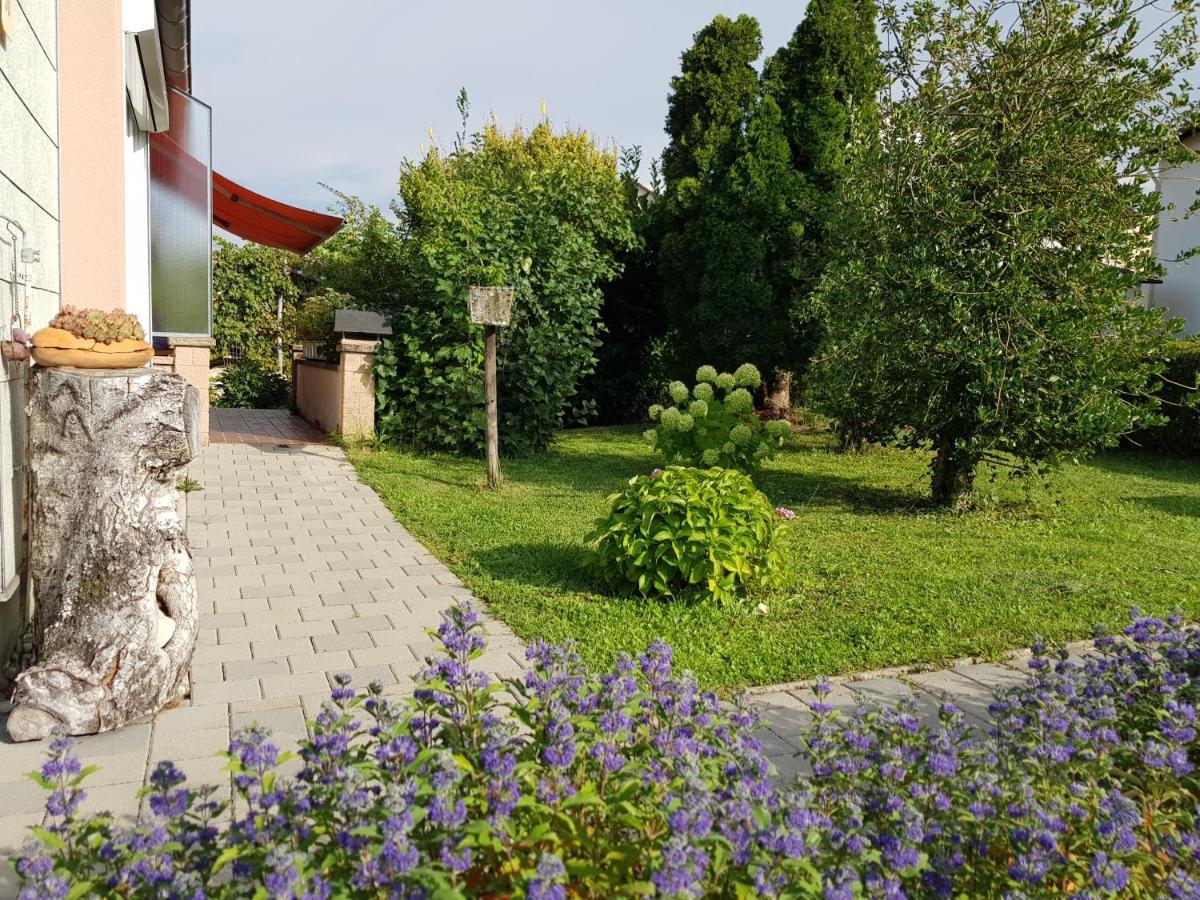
[
  {"x": 634, "y": 782},
  {"x": 684, "y": 529},
  {"x": 714, "y": 423}
]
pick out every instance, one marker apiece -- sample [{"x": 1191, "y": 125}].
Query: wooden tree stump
[{"x": 116, "y": 615}]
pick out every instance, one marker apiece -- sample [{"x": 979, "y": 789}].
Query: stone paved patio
[
  {"x": 303, "y": 573},
  {"x": 273, "y": 427}
]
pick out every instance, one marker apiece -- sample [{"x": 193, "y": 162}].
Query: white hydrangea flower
[
  {"x": 741, "y": 435},
  {"x": 706, "y": 374},
  {"x": 726, "y": 382},
  {"x": 686, "y": 422},
  {"x": 670, "y": 417},
  {"x": 678, "y": 391},
  {"x": 711, "y": 456},
  {"x": 740, "y": 402},
  {"x": 728, "y": 448},
  {"x": 703, "y": 391},
  {"x": 698, "y": 409},
  {"x": 747, "y": 376},
  {"x": 655, "y": 411}
]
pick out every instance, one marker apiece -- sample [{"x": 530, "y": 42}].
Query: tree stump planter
[{"x": 116, "y": 615}]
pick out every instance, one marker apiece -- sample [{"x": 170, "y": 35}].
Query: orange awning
[
  {"x": 262, "y": 220},
  {"x": 240, "y": 210}
]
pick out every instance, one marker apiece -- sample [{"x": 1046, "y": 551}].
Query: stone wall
[
  {"x": 338, "y": 398},
  {"x": 318, "y": 394}
]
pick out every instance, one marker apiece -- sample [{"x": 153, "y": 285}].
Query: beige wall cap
[
  {"x": 191, "y": 341},
  {"x": 349, "y": 345}
]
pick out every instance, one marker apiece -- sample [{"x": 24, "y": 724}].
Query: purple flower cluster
[{"x": 635, "y": 781}]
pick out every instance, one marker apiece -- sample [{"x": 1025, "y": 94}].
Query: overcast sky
[{"x": 305, "y": 91}]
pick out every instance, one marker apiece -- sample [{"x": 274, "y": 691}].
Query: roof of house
[{"x": 175, "y": 36}]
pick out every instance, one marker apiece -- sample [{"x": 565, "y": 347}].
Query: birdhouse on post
[{"x": 491, "y": 307}]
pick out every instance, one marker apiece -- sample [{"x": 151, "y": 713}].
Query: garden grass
[{"x": 875, "y": 576}]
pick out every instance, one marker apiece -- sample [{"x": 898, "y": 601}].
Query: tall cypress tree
[
  {"x": 826, "y": 79},
  {"x": 728, "y": 239},
  {"x": 710, "y": 99},
  {"x": 826, "y": 82}
]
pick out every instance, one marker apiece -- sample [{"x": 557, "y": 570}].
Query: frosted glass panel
[{"x": 181, "y": 219}]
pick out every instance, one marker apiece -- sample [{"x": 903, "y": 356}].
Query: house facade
[
  {"x": 30, "y": 275},
  {"x": 1178, "y": 234},
  {"x": 108, "y": 200}
]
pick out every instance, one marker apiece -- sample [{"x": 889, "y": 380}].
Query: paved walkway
[
  {"x": 271, "y": 427},
  {"x": 968, "y": 684},
  {"x": 303, "y": 573}
]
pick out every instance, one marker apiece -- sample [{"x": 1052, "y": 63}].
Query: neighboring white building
[{"x": 1179, "y": 292}]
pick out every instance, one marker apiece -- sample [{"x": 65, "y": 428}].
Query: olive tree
[{"x": 994, "y": 230}]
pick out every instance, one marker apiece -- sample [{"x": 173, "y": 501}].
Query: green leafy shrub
[
  {"x": 312, "y": 320},
  {"x": 540, "y": 210},
  {"x": 249, "y": 281},
  {"x": 1180, "y": 394},
  {"x": 714, "y": 424},
  {"x": 683, "y": 528},
  {"x": 247, "y": 385},
  {"x": 104, "y": 326}
]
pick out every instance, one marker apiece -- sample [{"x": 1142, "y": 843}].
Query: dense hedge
[
  {"x": 1180, "y": 435},
  {"x": 539, "y": 210},
  {"x": 635, "y": 783}
]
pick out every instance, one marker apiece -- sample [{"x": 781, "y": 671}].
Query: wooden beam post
[
  {"x": 491, "y": 307},
  {"x": 492, "y": 407}
]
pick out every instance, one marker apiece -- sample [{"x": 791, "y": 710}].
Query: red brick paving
[{"x": 261, "y": 426}]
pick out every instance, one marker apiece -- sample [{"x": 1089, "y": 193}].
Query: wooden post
[
  {"x": 491, "y": 307},
  {"x": 492, "y": 407}
]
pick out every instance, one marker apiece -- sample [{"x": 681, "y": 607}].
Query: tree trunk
[
  {"x": 778, "y": 399},
  {"x": 953, "y": 473},
  {"x": 116, "y": 614}
]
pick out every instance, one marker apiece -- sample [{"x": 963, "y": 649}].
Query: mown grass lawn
[{"x": 875, "y": 576}]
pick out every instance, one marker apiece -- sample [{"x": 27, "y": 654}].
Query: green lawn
[{"x": 875, "y": 577}]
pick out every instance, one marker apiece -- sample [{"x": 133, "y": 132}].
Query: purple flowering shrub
[{"x": 636, "y": 783}]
